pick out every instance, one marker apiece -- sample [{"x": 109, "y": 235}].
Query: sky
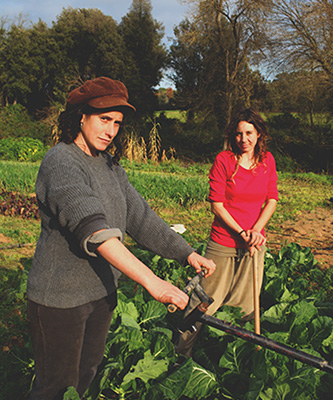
[{"x": 168, "y": 12}]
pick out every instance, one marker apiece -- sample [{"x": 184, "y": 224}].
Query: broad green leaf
[
  {"x": 275, "y": 314},
  {"x": 236, "y": 355},
  {"x": 328, "y": 342},
  {"x": 128, "y": 308},
  {"x": 255, "y": 388},
  {"x": 173, "y": 386},
  {"x": 299, "y": 334},
  {"x": 267, "y": 394},
  {"x": 278, "y": 393},
  {"x": 71, "y": 394},
  {"x": 129, "y": 321},
  {"x": 258, "y": 376},
  {"x": 275, "y": 288},
  {"x": 162, "y": 346},
  {"x": 146, "y": 368},
  {"x": 288, "y": 297},
  {"x": 159, "y": 329},
  {"x": 216, "y": 332},
  {"x": 201, "y": 384},
  {"x": 128, "y": 313},
  {"x": 281, "y": 337},
  {"x": 226, "y": 313},
  {"x": 322, "y": 326},
  {"x": 124, "y": 340},
  {"x": 152, "y": 312},
  {"x": 280, "y": 387},
  {"x": 304, "y": 311}
]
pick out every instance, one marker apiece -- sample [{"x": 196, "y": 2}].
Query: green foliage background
[
  {"x": 140, "y": 361},
  {"x": 39, "y": 65}
]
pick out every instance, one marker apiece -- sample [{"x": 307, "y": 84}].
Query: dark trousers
[{"x": 68, "y": 345}]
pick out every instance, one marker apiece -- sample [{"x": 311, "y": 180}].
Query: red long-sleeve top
[{"x": 243, "y": 195}]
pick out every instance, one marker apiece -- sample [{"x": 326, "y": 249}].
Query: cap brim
[{"x": 105, "y": 102}]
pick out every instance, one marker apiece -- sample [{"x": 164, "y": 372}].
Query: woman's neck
[{"x": 247, "y": 160}]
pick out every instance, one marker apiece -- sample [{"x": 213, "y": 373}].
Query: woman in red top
[{"x": 243, "y": 195}]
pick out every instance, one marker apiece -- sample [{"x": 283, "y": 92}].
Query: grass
[
  {"x": 20, "y": 177},
  {"x": 168, "y": 167},
  {"x": 173, "y": 114},
  {"x": 15, "y": 232},
  {"x": 176, "y": 191},
  {"x": 301, "y": 192}
]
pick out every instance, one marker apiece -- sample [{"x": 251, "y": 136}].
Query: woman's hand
[
  {"x": 253, "y": 240},
  {"x": 166, "y": 292},
  {"x": 198, "y": 262}
]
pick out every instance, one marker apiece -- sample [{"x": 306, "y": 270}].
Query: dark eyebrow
[{"x": 110, "y": 118}]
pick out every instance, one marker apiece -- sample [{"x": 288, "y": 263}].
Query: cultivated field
[{"x": 140, "y": 363}]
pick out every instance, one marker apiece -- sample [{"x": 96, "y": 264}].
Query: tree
[
  {"x": 90, "y": 46},
  {"x": 16, "y": 66},
  {"x": 39, "y": 65},
  {"x": 27, "y": 56},
  {"x": 212, "y": 54},
  {"x": 300, "y": 36},
  {"x": 188, "y": 68},
  {"x": 142, "y": 36},
  {"x": 301, "y": 92}
]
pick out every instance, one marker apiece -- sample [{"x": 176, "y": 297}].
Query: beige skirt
[{"x": 231, "y": 284}]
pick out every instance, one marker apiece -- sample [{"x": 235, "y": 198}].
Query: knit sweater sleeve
[
  {"x": 150, "y": 231},
  {"x": 64, "y": 192}
]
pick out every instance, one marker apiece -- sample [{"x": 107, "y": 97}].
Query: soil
[{"x": 310, "y": 229}]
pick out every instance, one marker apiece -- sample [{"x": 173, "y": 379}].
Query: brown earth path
[{"x": 312, "y": 229}]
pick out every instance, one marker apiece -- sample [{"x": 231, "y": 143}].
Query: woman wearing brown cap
[{"x": 86, "y": 206}]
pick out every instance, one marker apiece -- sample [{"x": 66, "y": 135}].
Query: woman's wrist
[{"x": 240, "y": 233}]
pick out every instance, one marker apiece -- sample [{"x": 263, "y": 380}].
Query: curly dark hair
[
  {"x": 252, "y": 117},
  {"x": 69, "y": 126}
]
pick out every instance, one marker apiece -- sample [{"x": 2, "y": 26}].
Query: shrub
[
  {"x": 15, "y": 122},
  {"x": 198, "y": 140},
  {"x": 25, "y": 149},
  {"x": 298, "y": 145}
]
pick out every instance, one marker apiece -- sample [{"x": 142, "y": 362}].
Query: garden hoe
[{"x": 198, "y": 314}]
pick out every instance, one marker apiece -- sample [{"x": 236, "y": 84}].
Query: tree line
[
  {"x": 219, "y": 60},
  {"x": 39, "y": 64}
]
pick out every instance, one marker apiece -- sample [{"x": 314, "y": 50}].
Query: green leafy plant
[
  {"x": 140, "y": 361},
  {"x": 16, "y": 365},
  {"x": 17, "y": 123},
  {"x": 23, "y": 149}
]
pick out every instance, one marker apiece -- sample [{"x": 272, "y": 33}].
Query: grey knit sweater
[{"x": 78, "y": 195}]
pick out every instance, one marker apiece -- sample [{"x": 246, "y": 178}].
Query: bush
[
  {"x": 298, "y": 145},
  {"x": 25, "y": 149},
  {"x": 15, "y": 122},
  {"x": 198, "y": 140}
]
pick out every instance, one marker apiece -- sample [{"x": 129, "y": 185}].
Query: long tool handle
[
  {"x": 267, "y": 343},
  {"x": 256, "y": 293}
]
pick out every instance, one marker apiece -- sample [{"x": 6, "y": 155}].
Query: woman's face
[
  {"x": 98, "y": 131},
  {"x": 246, "y": 137}
]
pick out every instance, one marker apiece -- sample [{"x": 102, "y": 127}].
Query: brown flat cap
[{"x": 101, "y": 92}]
